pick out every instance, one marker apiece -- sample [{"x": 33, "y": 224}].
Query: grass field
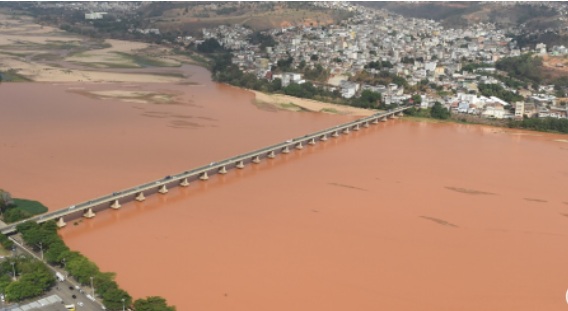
[{"x": 32, "y": 207}]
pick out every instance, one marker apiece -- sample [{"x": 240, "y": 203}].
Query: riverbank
[{"x": 281, "y": 101}]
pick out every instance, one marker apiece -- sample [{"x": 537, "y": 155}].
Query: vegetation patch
[
  {"x": 18, "y": 209},
  {"x": 30, "y": 206}
]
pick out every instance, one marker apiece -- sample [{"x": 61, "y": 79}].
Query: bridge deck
[{"x": 127, "y": 195}]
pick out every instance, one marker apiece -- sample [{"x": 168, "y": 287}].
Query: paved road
[{"x": 64, "y": 292}]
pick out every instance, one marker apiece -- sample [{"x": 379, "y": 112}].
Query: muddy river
[{"x": 400, "y": 216}]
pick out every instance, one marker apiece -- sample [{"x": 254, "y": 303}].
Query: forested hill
[{"x": 460, "y": 14}]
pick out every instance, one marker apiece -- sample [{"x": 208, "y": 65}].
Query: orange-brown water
[
  {"x": 364, "y": 222},
  {"x": 400, "y": 216},
  {"x": 62, "y": 148}
]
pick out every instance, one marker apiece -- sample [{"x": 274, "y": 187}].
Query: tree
[
  {"x": 55, "y": 252},
  {"x": 5, "y": 200},
  {"x": 275, "y": 85},
  {"x": 153, "y": 303},
  {"x": 5, "y": 280},
  {"x": 6, "y": 243},
  {"x": 210, "y": 45},
  {"x": 82, "y": 269},
  {"x": 112, "y": 299},
  {"x": 416, "y": 98},
  {"x": 439, "y": 112},
  {"x": 15, "y": 214},
  {"x": 104, "y": 282}
]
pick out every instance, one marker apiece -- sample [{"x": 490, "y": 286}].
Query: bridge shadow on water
[{"x": 157, "y": 201}]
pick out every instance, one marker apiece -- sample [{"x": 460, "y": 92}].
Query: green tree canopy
[
  {"x": 153, "y": 303},
  {"x": 112, "y": 299}
]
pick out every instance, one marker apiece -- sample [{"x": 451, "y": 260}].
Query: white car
[
  {"x": 71, "y": 207},
  {"x": 80, "y": 304}
]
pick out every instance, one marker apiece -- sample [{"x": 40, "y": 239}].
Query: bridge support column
[
  {"x": 346, "y": 131},
  {"x": 375, "y": 121},
  {"x": 204, "y": 176},
  {"x": 312, "y": 142},
  {"x": 89, "y": 213},
  {"x": 366, "y": 124},
  {"x": 323, "y": 138},
  {"x": 184, "y": 182},
  {"x": 391, "y": 116},
  {"x": 299, "y": 146},
  {"x": 115, "y": 204},
  {"x": 356, "y": 127},
  {"x": 399, "y": 114},
  {"x": 140, "y": 197},
  {"x": 286, "y": 150},
  {"x": 222, "y": 170},
  {"x": 61, "y": 223},
  {"x": 383, "y": 119},
  {"x": 255, "y": 159},
  {"x": 163, "y": 189},
  {"x": 271, "y": 155},
  {"x": 240, "y": 164},
  {"x": 335, "y": 134}
]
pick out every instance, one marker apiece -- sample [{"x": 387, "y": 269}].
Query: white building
[{"x": 95, "y": 15}]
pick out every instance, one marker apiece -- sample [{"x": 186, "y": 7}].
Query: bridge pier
[
  {"x": 222, "y": 170},
  {"x": 366, "y": 124},
  {"x": 255, "y": 159},
  {"x": 375, "y": 121},
  {"x": 335, "y": 134},
  {"x": 346, "y": 131},
  {"x": 383, "y": 119},
  {"x": 163, "y": 189},
  {"x": 60, "y": 222},
  {"x": 299, "y": 146},
  {"x": 240, "y": 165},
  {"x": 184, "y": 182},
  {"x": 391, "y": 116},
  {"x": 204, "y": 176},
  {"x": 89, "y": 213},
  {"x": 400, "y": 114},
  {"x": 286, "y": 150},
  {"x": 323, "y": 138},
  {"x": 312, "y": 142},
  {"x": 271, "y": 155},
  {"x": 115, "y": 204},
  {"x": 356, "y": 127},
  {"x": 140, "y": 197}
]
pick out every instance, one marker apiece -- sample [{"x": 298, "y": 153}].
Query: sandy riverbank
[{"x": 278, "y": 100}]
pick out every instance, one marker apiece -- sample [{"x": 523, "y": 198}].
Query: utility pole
[{"x": 92, "y": 288}]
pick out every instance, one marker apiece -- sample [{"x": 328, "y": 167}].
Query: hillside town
[{"x": 418, "y": 50}]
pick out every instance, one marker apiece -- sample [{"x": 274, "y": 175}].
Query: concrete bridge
[{"x": 90, "y": 208}]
